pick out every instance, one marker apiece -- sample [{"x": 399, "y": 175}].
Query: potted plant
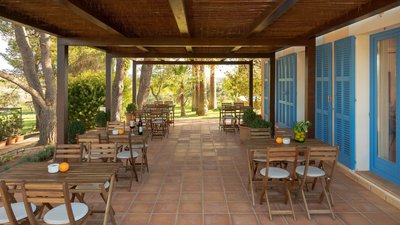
[
  {"x": 130, "y": 112},
  {"x": 300, "y": 129},
  {"x": 75, "y": 127},
  {"x": 101, "y": 119},
  {"x": 3, "y": 134},
  {"x": 252, "y": 121},
  {"x": 18, "y": 125}
]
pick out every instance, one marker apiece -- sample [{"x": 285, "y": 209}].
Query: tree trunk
[
  {"x": 195, "y": 88},
  {"x": 118, "y": 88},
  {"x": 44, "y": 102},
  {"x": 182, "y": 99},
  {"x": 202, "y": 103},
  {"x": 213, "y": 93},
  {"x": 144, "y": 84}
]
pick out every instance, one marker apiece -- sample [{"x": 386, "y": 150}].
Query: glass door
[{"x": 385, "y": 83}]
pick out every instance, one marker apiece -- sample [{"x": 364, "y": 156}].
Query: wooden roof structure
[{"x": 190, "y": 28}]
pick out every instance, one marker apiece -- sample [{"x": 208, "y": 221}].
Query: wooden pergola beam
[
  {"x": 173, "y": 42},
  {"x": 367, "y": 10},
  {"x": 25, "y": 20},
  {"x": 178, "y": 9},
  {"x": 189, "y": 55},
  {"x": 267, "y": 18},
  {"x": 154, "y": 62}
]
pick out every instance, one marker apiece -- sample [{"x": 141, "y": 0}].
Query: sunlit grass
[
  {"x": 189, "y": 114},
  {"x": 29, "y": 122}
]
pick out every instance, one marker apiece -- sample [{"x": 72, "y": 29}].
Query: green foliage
[
  {"x": 301, "y": 126},
  {"x": 10, "y": 123},
  {"x": 74, "y": 128},
  {"x": 101, "y": 119},
  {"x": 249, "y": 116},
  {"x": 86, "y": 93},
  {"x": 131, "y": 107},
  {"x": 85, "y": 59},
  {"x": 259, "y": 123},
  {"x": 42, "y": 155}
]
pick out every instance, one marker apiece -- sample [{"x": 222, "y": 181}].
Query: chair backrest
[
  {"x": 7, "y": 200},
  {"x": 169, "y": 103},
  {"x": 322, "y": 154},
  {"x": 68, "y": 152},
  {"x": 46, "y": 192},
  {"x": 279, "y": 154},
  {"x": 228, "y": 111},
  {"x": 283, "y": 132},
  {"x": 158, "y": 102},
  {"x": 115, "y": 125},
  {"x": 102, "y": 151},
  {"x": 260, "y": 133},
  {"x": 89, "y": 138}
]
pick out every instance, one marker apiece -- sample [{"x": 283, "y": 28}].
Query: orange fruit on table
[
  {"x": 120, "y": 131},
  {"x": 64, "y": 166},
  {"x": 279, "y": 140}
]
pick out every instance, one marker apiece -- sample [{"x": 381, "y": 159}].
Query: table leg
[
  {"x": 108, "y": 204},
  {"x": 251, "y": 177}
]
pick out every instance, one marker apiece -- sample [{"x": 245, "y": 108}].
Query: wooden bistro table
[
  {"x": 78, "y": 174},
  {"x": 257, "y": 149}
]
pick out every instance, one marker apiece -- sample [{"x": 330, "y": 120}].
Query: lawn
[
  {"x": 29, "y": 122},
  {"x": 189, "y": 114}
]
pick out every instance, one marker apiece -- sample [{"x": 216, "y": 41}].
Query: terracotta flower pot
[
  {"x": 244, "y": 133},
  {"x": 20, "y": 138},
  {"x": 11, "y": 140},
  {"x": 2, "y": 144}
]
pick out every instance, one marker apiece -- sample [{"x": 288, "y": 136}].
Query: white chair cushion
[
  {"x": 19, "y": 212},
  {"x": 260, "y": 160},
  {"x": 92, "y": 187},
  {"x": 138, "y": 146},
  {"x": 58, "y": 215},
  {"x": 275, "y": 172},
  {"x": 312, "y": 171},
  {"x": 127, "y": 155}
]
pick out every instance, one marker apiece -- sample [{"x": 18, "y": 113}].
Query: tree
[
  {"x": 195, "y": 87},
  {"x": 144, "y": 84},
  {"x": 213, "y": 93},
  {"x": 179, "y": 87},
  {"x": 202, "y": 101},
  {"x": 161, "y": 78},
  {"x": 121, "y": 68},
  {"x": 33, "y": 62}
]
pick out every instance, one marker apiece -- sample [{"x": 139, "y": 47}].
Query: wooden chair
[
  {"x": 159, "y": 126},
  {"x": 229, "y": 119},
  {"x": 12, "y": 212},
  {"x": 321, "y": 154},
  {"x": 115, "y": 125},
  {"x": 271, "y": 174},
  {"x": 86, "y": 139},
  {"x": 53, "y": 193},
  {"x": 68, "y": 153},
  {"x": 239, "y": 112},
  {"x": 257, "y": 134},
  {"x": 283, "y": 132},
  {"x": 103, "y": 152}
]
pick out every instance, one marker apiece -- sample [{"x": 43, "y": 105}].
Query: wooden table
[
  {"x": 257, "y": 149},
  {"x": 78, "y": 174}
]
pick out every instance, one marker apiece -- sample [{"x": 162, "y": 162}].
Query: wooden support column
[
  {"x": 310, "y": 85},
  {"x": 62, "y": 92},
  {"x": 108, "y": 83},
  {"x": 272, "y": 89},
  {"x": 251, "y": 83},
  {"x": 134, "y": 82}
]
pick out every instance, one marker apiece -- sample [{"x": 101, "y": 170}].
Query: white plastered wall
[{"x": 301, "y": 76}]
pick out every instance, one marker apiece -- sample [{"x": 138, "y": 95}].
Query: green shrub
[
  {"x": 249, "y": 116},
  {"x": 74, "y": 128},
  {"x": 259, "y": 123},
  {"x": 86, "y": 93},
  {"x": 131, "y": 108},
  {"x": 101, "y": 119}
]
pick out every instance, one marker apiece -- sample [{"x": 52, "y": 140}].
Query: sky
[{"x": 3, "y": 63}]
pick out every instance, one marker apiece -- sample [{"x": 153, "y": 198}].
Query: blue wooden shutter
[
  {"x": 344, "y": 100},
  {"x": 286, "y": 91},
  {"x": 266, "y": 90},
  {"x": 323, "y": 93}
]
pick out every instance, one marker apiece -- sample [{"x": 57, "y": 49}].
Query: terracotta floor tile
[
  {"x": 353, "y": 218},
  {"x": 137, "y": 219},
  {"x": 190, "y": 219},
  {"x": 215, "y": 207},
  {"x": 191, "y": 197},
  {"x": 380, "y": 218},
  {"x": 141, "y": 207},
  {"x": 166, "y": 207},
  {"x": 276, "y": 220},
  {"x": 214, "y": 196},
  {"x": 146, "y": 197},
  {"x": 190, "y": 207},
  {"x": 240, "y": 207},
  {"x": 244, "y": 219},
  {"x": 168, "y": 197},
  {"x": 162, "y": 219},
  {"x": 213, "y": 219},
  {"x": 192, "y": 188},
  {"x": 326, "y": 220},
  {"x": 237, "y": 196}
]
